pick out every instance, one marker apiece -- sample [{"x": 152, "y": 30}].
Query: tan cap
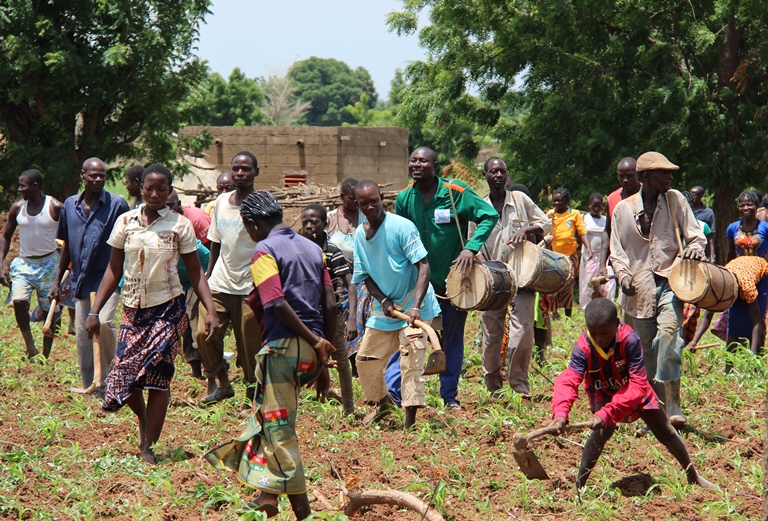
[{"x": 654, "y": 161}]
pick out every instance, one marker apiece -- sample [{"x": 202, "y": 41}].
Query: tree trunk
[{"x": 726, "y": 212}]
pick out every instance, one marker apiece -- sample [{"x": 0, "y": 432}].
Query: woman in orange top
[{"x": 567, "y": 225}]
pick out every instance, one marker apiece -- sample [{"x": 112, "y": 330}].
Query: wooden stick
[
  {"x": 433, "y": 339},
  {"x": 322, "y": 500},
  {"x": 704, "y": 346},
  {"x": 389, "y": 497},
  {"x": 48, "y": 329}
]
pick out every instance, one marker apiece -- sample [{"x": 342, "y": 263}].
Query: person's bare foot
[
  {"x": 694, "y": 478},
  {"x": 32, "y": 353},
  {"x": 148, "y": 455}
]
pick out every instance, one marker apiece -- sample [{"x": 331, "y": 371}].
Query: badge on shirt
[{"x": 442, "y": 216}]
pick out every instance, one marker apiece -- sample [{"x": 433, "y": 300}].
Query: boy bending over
[{"x": 608, "y": 357}]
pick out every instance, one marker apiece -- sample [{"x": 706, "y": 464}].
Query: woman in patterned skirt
[{"x": 146, "y": 244}]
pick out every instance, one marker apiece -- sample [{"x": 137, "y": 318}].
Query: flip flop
[
  {"x": 267, "y": 506},
  {"x": 218, "y": 395}
]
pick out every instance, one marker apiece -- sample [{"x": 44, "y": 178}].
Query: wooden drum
[
  {"x": 488, "y": 285},
  {"x": 705, "y": 284},
  {"x": 541, "y": 270}
]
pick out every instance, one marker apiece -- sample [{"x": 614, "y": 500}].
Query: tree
[
  {"x": 281, "y": 107},
  {"x": 599, "y": 81},
  {"x": 237, "y": 101},
  {"x": 83, "y": 78},
  {"x": 330, "y": 85}
]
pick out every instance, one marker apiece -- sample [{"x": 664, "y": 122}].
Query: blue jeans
[
  {"x": 453, "y": 346},
  {"x": 661, "y": 337}
]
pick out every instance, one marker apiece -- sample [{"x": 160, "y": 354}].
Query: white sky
[{"x": 261, "y": 36}]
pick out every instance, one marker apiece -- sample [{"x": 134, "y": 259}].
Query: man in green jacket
[{"x": 430, "y": 202}]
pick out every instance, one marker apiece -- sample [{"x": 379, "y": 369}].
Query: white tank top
[{"x": 37, "y": 233}]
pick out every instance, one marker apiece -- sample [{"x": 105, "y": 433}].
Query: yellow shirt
[{"x": 565, "y": 227}]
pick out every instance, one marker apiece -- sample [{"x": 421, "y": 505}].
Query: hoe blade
[
  {"x": 435, "y": 363},
  {"x": 529, "y": 464}
]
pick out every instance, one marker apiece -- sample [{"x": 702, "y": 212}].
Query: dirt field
[{"x": 61, "y": 459}]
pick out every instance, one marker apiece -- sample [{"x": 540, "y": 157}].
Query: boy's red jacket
[{"x": 614, "y": 378}]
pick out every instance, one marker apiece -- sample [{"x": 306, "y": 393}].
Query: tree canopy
[
  {"x": 598, "y": 81},
  {"x": 82, "y": 78},
  {"x": 330, "y": 85},
  {"x": 236, "y": 101}
]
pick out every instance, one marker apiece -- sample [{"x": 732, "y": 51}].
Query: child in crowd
[{"x": 608, "y": 358}]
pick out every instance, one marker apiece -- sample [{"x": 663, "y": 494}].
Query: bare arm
[
  {"x": 55, "y": 208},
  {"x": 203, "y": 292},
  {"x": 5, "y": 241},
  {"x": 106, "y": 288},
  {"x": 585, "y": 243},
  {"x": 285, "y": 313},
  {"x": 64, "y": 261},
  {"x": 422, "y": 285},
  {"x": 351, "y": 324},
  {"x": 215, "y": 251},
  {"x": 706, "y": 320},
  {"x": 758, "y": 331}
]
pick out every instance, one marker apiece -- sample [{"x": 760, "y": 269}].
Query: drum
[
  {"x": 707, "y": 285},
  {"x": 488, "y": 285},
  {"x": 541, "y": 270}
]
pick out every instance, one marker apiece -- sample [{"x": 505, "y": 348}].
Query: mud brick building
[{"x": 323, "y": 155}]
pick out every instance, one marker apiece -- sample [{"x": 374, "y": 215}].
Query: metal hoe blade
[
  {"x": 530, "y": 465},
  {"x": 435, "y": 363}
]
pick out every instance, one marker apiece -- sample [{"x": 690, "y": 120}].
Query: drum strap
[
  {"x": 455, "y": 215},
  {"x": 673, "y": 211}
]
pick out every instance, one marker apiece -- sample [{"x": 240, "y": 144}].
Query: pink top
[{"x": 201, "y": 221}]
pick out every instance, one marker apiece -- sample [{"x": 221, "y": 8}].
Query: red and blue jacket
[{"x": 614, "y": 378}]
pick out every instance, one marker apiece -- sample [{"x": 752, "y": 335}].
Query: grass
[{"x": 61, "y": 459}]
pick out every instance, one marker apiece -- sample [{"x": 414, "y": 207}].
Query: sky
[{"x": 265, "y": 36}]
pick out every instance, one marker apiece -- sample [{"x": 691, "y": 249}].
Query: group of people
[{"x": 347, "y": 291}]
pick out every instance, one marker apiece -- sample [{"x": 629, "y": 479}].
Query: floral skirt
[{"x": 148, "y": 343}]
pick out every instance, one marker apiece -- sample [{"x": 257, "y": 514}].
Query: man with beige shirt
[
  {"x": 651, "y": 229},
  {"x": 229, "y": 277},
  {"x": 520, "y": 217}
]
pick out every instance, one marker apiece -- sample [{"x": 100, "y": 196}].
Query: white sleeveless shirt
[{"x": 37, "y": 233}]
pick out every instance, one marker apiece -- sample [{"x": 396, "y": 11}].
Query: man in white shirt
[{"x": 229, "y": 277}]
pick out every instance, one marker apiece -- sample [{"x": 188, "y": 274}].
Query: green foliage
[
  {"x": 81, "y": 79},
  {"x": 236, "y": 101},
  {"x": 594, "y": 82},
  {"x": 330, "y": 85}
]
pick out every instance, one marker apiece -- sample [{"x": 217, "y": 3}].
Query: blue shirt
[
  {"x": 86, "y": 239},
  {"x": 203, "y": 254},
  {"x": 390, "y": 258}
]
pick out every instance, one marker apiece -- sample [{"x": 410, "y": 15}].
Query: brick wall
[{"x": 327, "y": 155}]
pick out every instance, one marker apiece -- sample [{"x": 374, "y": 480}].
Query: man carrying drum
[
  {"x": 520, "y": 217},
  {"x": 441, "y": 209},
  {"x": 650, "y": 229}
]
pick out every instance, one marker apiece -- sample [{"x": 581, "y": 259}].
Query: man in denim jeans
[{"x": 650, "y": 229}]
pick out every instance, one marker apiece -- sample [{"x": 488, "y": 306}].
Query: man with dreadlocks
[{"x": 296, "y": 308}]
